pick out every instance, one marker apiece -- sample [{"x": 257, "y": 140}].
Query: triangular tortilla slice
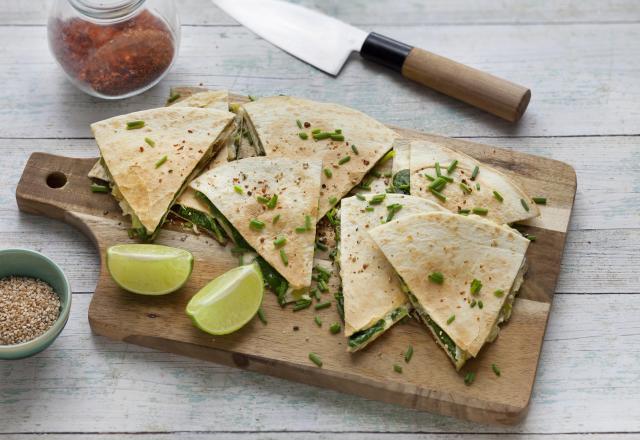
[
  {"x": 462, "y": 249},
  {"x": 465, "y": 193},
  {"x": 215, "y": 99},
  {"x": 234, "y": 189},
  {"x": 149, "y": 167},
  {"x": 272, "y": 125},
  {"x": 373, "y": 297}
]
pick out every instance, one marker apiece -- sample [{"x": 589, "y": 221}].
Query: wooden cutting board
[{"x": 58, "y": 187}]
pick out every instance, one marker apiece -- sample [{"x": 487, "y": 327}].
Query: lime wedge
[
  {"x": 230, "y": 301},
  {"x": 149, "y": 269}
]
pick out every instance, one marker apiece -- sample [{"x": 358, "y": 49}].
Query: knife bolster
[{"x": 386, "y": 51}]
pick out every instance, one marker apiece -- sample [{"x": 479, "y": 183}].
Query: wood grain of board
[{"x": 281, "y": 347}]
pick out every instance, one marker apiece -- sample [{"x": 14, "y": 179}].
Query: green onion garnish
[
  {"x": 436, "y": 277},
  {"x": 337, "y": 137},
  {"x": 273, "y": 201},
  {"x": 322, "y": 286},
  {"x": 256, "y": 224},
  {"x": 469, "y": 378},
  {"x": 304, "y": 136},
  {"x": 475, "y": 172},
  {"x": 361, "y": 197},
  {"x": 318, "y": 321},
  {"x": 338, "y": 131},
  {"x": 162, "y": 160},
  {"x": 431, "y": 178},
  {"x": 531, "y": 237},
  {"x": 498, "y": 196},
  {"x": 438, "y": 194},
  {"x": 262, "y": 199},
  {"x": 280, "y": 241},
  {"x": 539, "y": 200},
  {"x": 480, "y": 304},
  {"x": 452, "y": 166},
  {"x": 478, "y": 186},
  {"x": 438, "y": 171},
  {"x": 438, "y": 184},
  {"x": 275, "y": 219},
  {"x": 328, "y": 173},
  {"x": 307, "y": 222},
  {"x": 466, "y": 188},
  {"x": 393, "y": 208},
  {"x": 354, "y": 149},
  {"x": 408, "y": 354},
  {"x": 134, "y": 125},
  {"x": 335, "y": 328},
  {"x": 284, "y": 258},
  {"x": 95, "y": 188},
  {"x": 451, "y": 319},
  {"x": 315, "y": 359},
  {"x": 344, "y": 160},
  {"x": 387, "y": 156},
  {"x": 498, "y": 293},
  {"x": 447, "y": 178},
  {"x": 261, "y": 316},
  {"x": 301, "y": 304},
  {"x": 322, "y": 135},
  {"x": 298, "y": 123},
  {"x": 333, "y": 200},
  {"x": 174, "y": 97},
  {"x": 464, "y": 211},
  {"x": 377, "y": 199},
  {"x": 495, "y": 369},
  {"x": 397, "y": 368},
  {"x": 323, "y": 305},
  {"x": 524, "y": 205},
  {"x": 480, "y": 211},
  {"x": 301, "y": 229},
  {"x": 473, "y": 303},
  {"x": 476, "y": 285},
  {"x": 315, "y": 131},
  {"x": 369, "y": 209},
  {"x": 150, "y": 142}
]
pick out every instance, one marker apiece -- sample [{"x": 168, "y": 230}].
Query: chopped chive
[
  {"x": 436, "y": 277},
  {"x": 469, "y": 378},
  {"x": 475, "y": 172},
  {"x": 301, "y": 304},
  {"x": 344, "y": 160},
  {"x": 315, "y": 131},
  {"x": 307, "y": 222},
  {"x": 464, "y": 211},
  {"x": 498, "y": 293},
  {"x": 377, "y": 199},
  {"x": 391, "y": 154},
  {"x": 335, "y": 328},
  {"x": 318, "y": 321},
  {"x": 498, "y": 196},
  {"x": 354, "y": 149},
  {"x": 438, "y": 184},
  {"x": 524, "y": 205},
  {"x": 284, "y": 258},
  {"x": 323, "y": 305},
  {"x": 477, "y": 186},
  {"x": 473, "y": 303},
  {"x": 280, "y": 241},
  {"x": 321, "y": 136},
  {"x": 134, "y": 125},
  {"x": 438, "y": 194},
  {"x": 476, "y": 285},
  {"x": 338, "y": 130},
  {"x": 298, "y": 123},
  {"x": 328, "y": 173},
  {"x": 447, "y": 179},
  {"x": 408, "y": 354},
  {"x": 393, "y": 208},
  {"x": 150, "y": 142},
  {"x": 452, "y": 166},
  {"x": 397, "y": 368},
  {"x": 95, "y": 188},
  {"x": 451, "y": 319},
  {"x": 365, "y": 184},
  {"x": 315, "y": 359},
  {"x": 539, "y": 200},
  {"x": 480, "y": 211},
  {"x": 275, "y": 219},
  {"x": 495, "y": 369},
  {"x": 333, "y": 200},
  {"x": 162, "y": 160},
  {"x": 321, "y": 246},
  {"x": 480, "y": 304},
  {"x": 369, "y": 209},
  {"x": 256, "y": 224},
  {"x": 301, "y": 229},
  {"x": 431, "y": 178},
  {"x": 466, "y": 188},
  {"x": 273, "y": 201},
  {"x": 304, "y": 136},
  {"x": 251, "y": 98},
  {"x": 261, "y": 316},
  {"x": 262, "y": 199},
  {"x": 174, "y": 97},
  {"x": 324, "y": 272},
  {"x": 361, "y": 197},
  {"x": 531, "y": 237},
  {"x": 322, "y": 286},
  {"x": 337, "y": 137}
]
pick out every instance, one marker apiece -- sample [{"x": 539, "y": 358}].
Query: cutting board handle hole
[{"x": 56, "y": 180}]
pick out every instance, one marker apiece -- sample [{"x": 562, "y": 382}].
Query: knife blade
[{"x": 326, "y": 43}]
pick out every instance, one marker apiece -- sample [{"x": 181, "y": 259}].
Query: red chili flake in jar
[{"x": 113, "y": 59}]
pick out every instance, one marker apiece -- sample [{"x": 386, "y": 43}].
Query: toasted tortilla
[
  {"x": 297, "y": 185},
  {"x": 462, "y": 249},
  {"x": 188, "y": 137},
  {"x": 370, "y": 286},
  {"x": 424, "y": 155},
  {"x": 215, "y": 99},
  {"x": 271, "y": 124}
]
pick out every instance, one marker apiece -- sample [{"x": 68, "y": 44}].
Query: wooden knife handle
[{"x": 479, "y": 89}]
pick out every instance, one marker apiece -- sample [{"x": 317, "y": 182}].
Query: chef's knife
[{"x": 326, "y": 43}]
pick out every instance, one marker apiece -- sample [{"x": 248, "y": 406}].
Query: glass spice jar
[{"x": 114, "y": 49}]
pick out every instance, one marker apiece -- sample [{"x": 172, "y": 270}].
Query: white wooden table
[{"x": 582, "y": 61}]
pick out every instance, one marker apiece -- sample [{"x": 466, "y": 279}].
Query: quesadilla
[
  {"x": 460, "y": 273},
  {"x": 373, "y": 297},
  {"x": 215, "y": 99},
  {"x": 461, "y": 184},
  {"x": 348, "y": 142},
  {"x": 400, "y": 181},
  {"x": 150, "y": 156},
  {"x": 269, "y": 206}
]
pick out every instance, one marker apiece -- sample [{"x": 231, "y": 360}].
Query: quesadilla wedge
[
  {"x": 373, "y": 297},
  {"x": 460, "y": 273},
  {"x": 150, "y": 156},
  {"x": 269, "y": 206},
  {"x": 460, "y": 183},
  {"x": 215, "y": 99},
  {"x": 348, "y": 142}
]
